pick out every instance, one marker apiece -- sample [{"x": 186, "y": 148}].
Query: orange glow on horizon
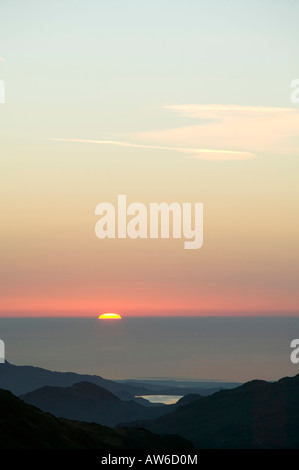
[{"x": 144, "y": 305}]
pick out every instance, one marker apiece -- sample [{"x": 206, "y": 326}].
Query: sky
[{"x": 163, "y": 101}]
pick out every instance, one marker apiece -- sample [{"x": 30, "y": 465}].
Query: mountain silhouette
[
  {"x": 88, "y": 402},
  {"x": 257, "y": 414},
  {"x": 23, "y": 426},
  {"x": 23, "y": 379}
]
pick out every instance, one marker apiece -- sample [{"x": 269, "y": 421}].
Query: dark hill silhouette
[
  {"x": 23, "y": 379},
  {"x": 23, "y": 426},
  {"x": 88, "y": 402},
  {"x": 188, "y": 399},
  {"x": 256, "y": 415},
  {"x": 182, "y": 387}
]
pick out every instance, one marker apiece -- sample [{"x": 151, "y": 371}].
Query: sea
[{"x": 180, "y": 348}]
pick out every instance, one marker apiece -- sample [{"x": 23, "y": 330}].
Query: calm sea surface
[{"x": 222, "y": 348}]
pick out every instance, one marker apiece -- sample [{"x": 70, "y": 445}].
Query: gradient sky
[{"x": 200, "y": 92}]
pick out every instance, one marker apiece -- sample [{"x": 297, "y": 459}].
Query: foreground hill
[
  {"x": 23, "y": 426},
  {"x": 256, "y": 415}
]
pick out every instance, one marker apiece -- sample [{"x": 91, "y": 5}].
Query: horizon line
[{"x": 279, "y": 314}]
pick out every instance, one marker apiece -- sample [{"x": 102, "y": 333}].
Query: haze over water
[{"x": 226, "y": 348}]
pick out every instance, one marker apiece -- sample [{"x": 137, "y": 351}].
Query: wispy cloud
[
  {"x": 244, "y": 129},
  {"x": 216, "y": 111},
  {"x": 224, "y": 132},
  {"x": 205, "y": 154}
]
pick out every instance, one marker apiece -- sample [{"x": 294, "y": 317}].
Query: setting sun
[{"x": 110, "y": 316}]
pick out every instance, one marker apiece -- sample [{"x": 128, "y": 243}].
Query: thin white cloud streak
[
  {"x": 216, "y": 111},
  {"x": 249, "y": 129},
  {"x": 205, "y": 154},
  {"x": 238, "y": 132}
]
